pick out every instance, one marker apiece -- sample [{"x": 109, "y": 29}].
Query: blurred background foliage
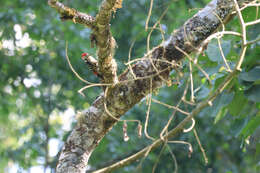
[{"x": 39, "y": 95}]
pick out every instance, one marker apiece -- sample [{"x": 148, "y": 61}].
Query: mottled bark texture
[
  {"x": 101, "y": 35},
  {"x": 106, "y": 44},
  {"x": 67, "y": 13},
  {"x": 95, "y": 122}
]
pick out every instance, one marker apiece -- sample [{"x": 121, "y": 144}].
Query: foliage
[{"x": 39, "y": 92}]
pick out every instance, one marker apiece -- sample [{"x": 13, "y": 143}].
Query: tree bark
[{"x": 151, "y": 73}]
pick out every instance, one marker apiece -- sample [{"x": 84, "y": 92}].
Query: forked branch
[
  {"x": 95, "y": 121},
  {"x": 101, "y": 35}
]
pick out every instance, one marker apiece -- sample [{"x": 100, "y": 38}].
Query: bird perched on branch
[{"x": 92, "y": 64}]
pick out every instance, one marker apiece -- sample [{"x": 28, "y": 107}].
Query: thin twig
[
  {"x": 201, "y": 147},
  {"x": 80, "y": 91},
  {"x": 129, "y": 58},
  {"x": 253, "y": 22},
  {"x": 243, "y": 30},
  {"x": 143, "y": 159},
  {"x": 223, "y": 55},
  {"x": 195, "y": 63},
  {"x": 185, "y": 143},
  {"x": 253, "y": 41},
  {"x": 171, "y": 107},
  {"x": 148, "y": 112},
  {"x": 165, "y": 129},
  {"x": 149, "y": 15},
  {"x": 253, "y": 4},
  {"x": 72, "y": 69},
  {"x": 191, "y": 127},
  {"x": 191, "y": 84},
  {"x": 158, "y": 158},
  {"x": 152, "y": 29},
  {"x": 219, "y": 34},
  {"x": 174, "y": 159}
]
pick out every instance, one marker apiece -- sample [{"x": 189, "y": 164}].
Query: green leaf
[
  {"x": 237, "y": 103},
  {"x": 252, "y": 75},
  {"x": 218, "y": 82},
  {"x": 220, "y": 115},
  {"x": 220, "y": 102},
  {"x": 253, "y": 93},
  {"x": 257, "y": 148},
  {"x": 213, "y": 51},
  {"x": 237, "y": 125},
  {"x": 203, "y": 93},
  {"x": 251, "y": 126}
]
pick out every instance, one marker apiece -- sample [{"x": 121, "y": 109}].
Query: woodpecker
[{"x": 92, "y": 64}]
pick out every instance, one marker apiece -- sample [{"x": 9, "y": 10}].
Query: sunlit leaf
[{"x": 251, "y": 126}]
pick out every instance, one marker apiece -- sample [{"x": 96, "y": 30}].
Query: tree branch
[
  {"x": 95, "y": 122},
  {"x": 172, "y": 133},
  {"x": 101, "y": 35},
  {"x": 68, "y": 13},
  {"x": 105, "y": 42}
]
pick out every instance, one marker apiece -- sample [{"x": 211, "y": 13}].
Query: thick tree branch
[
  {"x": 172, "y": 133},
  {"x": 105, "y": 42},
  {"x": 68, "y": 13},
  {"x": 95, "y": 122},
  {"x": 101, "y": 35}
]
